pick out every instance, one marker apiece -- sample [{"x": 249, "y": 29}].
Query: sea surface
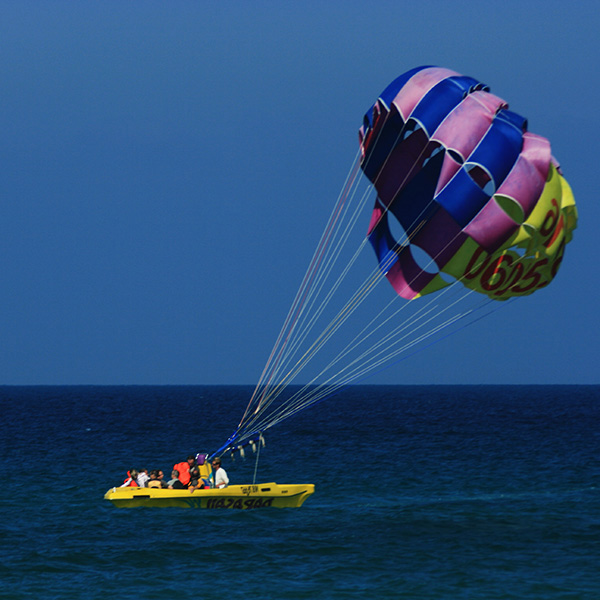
[{"x": 425, "y": 492}]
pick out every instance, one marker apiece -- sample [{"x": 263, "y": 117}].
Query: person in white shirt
[
  {"x": 142, "y": 479},
  {"x": 219, "y": 475}
]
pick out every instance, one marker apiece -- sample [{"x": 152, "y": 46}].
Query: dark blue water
[{"x": 421, "y": 492}]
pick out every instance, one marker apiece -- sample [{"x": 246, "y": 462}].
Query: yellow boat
[{"x": 243, "y": 497}]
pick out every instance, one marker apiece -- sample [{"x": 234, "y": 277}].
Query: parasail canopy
[{"x": 479, "y": 197}]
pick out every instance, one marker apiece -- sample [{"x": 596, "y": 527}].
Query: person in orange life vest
[
  {"x": 131, "y": 480},
  {"x": 184, "y": 469}
]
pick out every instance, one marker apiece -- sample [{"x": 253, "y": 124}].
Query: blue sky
[{"x": 167, "y": 170}]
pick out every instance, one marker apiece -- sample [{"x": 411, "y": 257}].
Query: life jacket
[
  {"x": 130, "y": 481},
  {"x": 184, "y": 471}
]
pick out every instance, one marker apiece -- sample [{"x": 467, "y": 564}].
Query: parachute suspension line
[
  {"x": 302, "y": 398},
  {"x": 312, "y": 314},
  {"x": 270, "y": 392},
  {"x": 330, "y": 330},
  {"x": 328, "y": 389},
  {"x": 300, "y": 295},
  {"x": 293, "y": 342},
  {"x": 333, "y": 326},
  {"x": 273, "y": 392},
  {"x": 362, "y": 364}
]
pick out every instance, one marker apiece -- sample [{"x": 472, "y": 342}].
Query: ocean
[{"x": 422, "y": 492}]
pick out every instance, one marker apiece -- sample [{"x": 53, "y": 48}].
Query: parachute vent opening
[
  {"x": 398, "y": 232},
  {"x": 411, "y": 127},
  {"x": 481, "y": 176},
  {"x": 436, "y": 151},
  {"x": 530, "y": 229},
  {"x": 447, "y": 278},
  {"x": 512, "y": 208},
  {"x": 479, "y": 87},
  {"x": 423, "y": 259},
  {"x": 456, "y": 156},
  {"x": 501, "y": 107}
]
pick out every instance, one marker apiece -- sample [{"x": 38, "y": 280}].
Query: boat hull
[{"x": 242, "y": 497}]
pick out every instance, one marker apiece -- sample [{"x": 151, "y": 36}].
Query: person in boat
[
  {"x": 161, "y": 478},
  {"x": 196, "y": 481},
  {"x": 154, "y": 481},
  {"x": 194, "y": 476},
  {"x": 175, "y": 483},
  {"x": 131, "y": 480},
  {"x": 143, "y": 478},
  {"x": 219, "y": 475},
  {"x": 184, "y": 469}
]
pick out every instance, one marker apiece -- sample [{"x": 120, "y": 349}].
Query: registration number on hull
[{"x": 241, "y": 503}]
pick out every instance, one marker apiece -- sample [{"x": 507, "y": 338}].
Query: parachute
[
  {"x": 480, "y": 197},
  {"x": 470, "y": 208}
]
